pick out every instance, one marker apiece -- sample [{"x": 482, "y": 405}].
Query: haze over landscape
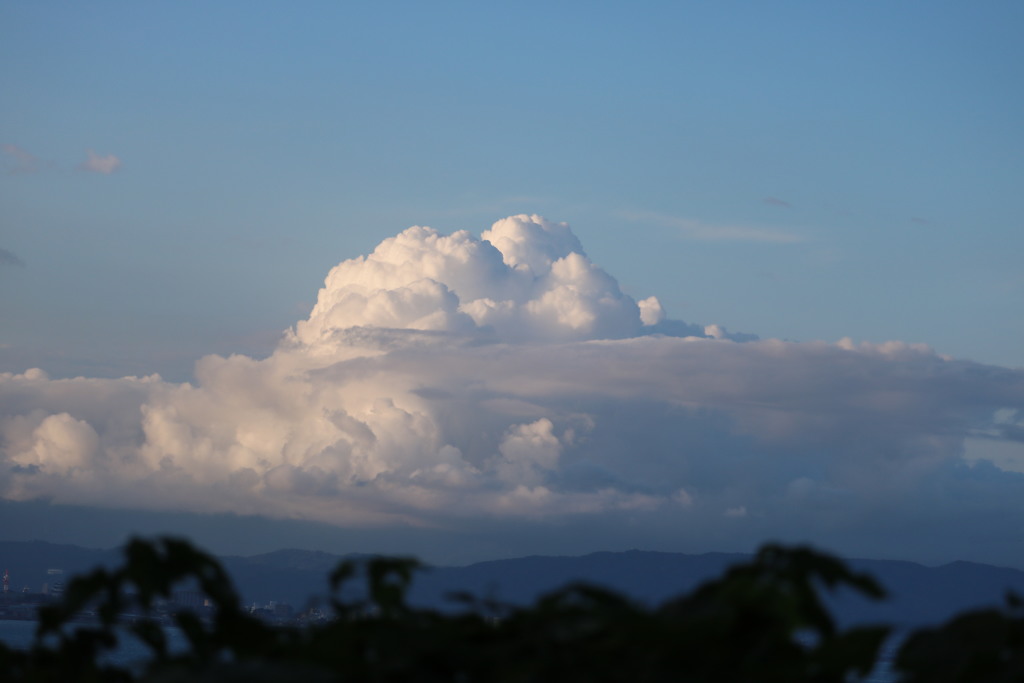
[{"x": 695, "y": 278}]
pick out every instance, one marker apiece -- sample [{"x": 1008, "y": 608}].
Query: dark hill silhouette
[
  {"x": 919, "y": 595},
  {"x": 646, "y": 576}
]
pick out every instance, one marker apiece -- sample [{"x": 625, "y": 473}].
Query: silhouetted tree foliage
[{"x": 760, "y": 621}]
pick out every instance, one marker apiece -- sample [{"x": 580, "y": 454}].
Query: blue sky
[
  {"x": 177, "y": 179},
  {"x": 261, "y": 143}
]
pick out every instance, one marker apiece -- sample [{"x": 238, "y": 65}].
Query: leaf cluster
[{"x": 763, "y": 620}]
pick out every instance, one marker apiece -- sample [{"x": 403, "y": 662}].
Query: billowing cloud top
[
  {"x": 525, "y": 279},
  {"x": 445, "y": 379}
]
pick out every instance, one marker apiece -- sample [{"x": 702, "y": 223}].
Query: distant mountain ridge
[{"x": 919, "y": 595}]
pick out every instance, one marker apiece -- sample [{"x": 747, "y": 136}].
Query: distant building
[{"x": 54, "y": 583}]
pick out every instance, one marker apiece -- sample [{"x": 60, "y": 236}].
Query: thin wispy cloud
[
  {"x": 23, "y": 160},
  {"x": 715, "y": 232},
  {"x": 96, "y": 163},
  {"x": 775, "y": 201},
  {"x": 9, "y": 258}
]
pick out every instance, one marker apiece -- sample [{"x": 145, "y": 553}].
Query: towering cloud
[
  {"x": 526, "y": 279},
  {"x": 447, "y": 379}
]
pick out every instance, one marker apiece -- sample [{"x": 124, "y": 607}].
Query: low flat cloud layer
[{"x": 454, "y": 382}]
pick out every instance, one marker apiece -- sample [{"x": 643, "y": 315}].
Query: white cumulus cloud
[
  {"x": 446, "y": 379},
  {"x": 525, "y": 279}
]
